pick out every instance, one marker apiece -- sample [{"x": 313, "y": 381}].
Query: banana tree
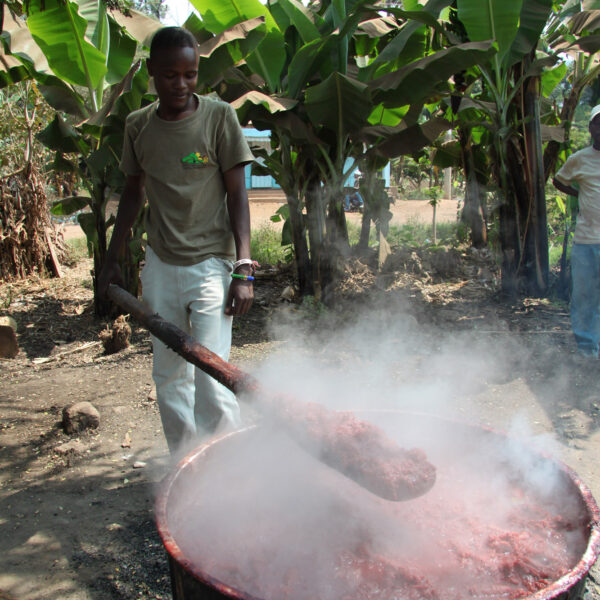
[
  {"x": 573, "y": 31},
  {"x": 509, "y": 102},
  {"x": 94, "y": 83},
  {"x": 328, "y": 111}
]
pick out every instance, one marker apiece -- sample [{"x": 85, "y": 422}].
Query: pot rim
[{"x": 554, "y": 590}]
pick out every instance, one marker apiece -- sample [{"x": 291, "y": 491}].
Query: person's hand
[
  {"x": 110, "y": 273},
  {"x": 239, "y": 297}
]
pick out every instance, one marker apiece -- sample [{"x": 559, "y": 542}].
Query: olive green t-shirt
[{"x": 183, "y": 163}]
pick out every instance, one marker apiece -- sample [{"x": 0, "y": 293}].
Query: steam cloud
[{"x": 259, "y": 514}]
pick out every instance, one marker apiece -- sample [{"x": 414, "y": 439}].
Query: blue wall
[
  {"x": 257, "y": 181},
  {"x": 267, "y": 182}
]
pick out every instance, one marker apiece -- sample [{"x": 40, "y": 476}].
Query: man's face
[
  {"x": 175, "y": 72},
  {"x": 595, "y": 131}
]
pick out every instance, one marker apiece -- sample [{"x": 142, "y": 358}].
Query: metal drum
[{"x": 446, "y": 442}]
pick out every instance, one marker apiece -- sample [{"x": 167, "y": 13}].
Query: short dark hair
[{"x": 171, "y": 37}]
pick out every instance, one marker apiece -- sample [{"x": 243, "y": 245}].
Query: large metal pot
[{"x": 440, "y": 438}]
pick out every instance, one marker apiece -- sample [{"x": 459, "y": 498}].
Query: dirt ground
[
  {"x": 76, "y": 511},
  {"x": 403, "y": 211}
]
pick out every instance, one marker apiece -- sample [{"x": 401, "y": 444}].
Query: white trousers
[{"x": 192, "y": 404}]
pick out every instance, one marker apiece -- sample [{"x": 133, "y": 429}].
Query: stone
[
  {"x": 72, "y": 447},
  {"x": 79, "y": 416},
  {"x": 9, "y": 346}
]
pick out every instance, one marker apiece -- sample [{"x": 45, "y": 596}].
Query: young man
[
  {"x": 583, "y": 169},
  {"x": 186, "y": 155}
]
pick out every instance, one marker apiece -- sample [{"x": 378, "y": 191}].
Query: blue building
[{"x": 262, "y": 139}]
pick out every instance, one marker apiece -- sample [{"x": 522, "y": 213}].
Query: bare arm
[
  {"x": 132, "y": 200},
  {"x": 563, "y": 187},
  {"x": 241, "y": 292}
]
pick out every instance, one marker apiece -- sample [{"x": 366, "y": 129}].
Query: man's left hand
[{"x": 239, "y": 297}]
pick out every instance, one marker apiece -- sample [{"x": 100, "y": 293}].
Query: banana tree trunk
[
  {"x": 523, "y": 220},
  {"x": 365, "y": 230},
  {"x": 336, "y": 246},
  {"x": 102, "y": 307},
  {"x": 303, "y": 266},
  {"x": 472, "y": 213},
  {"x": 535, "y": 259},
  {"x": 508, "y": 225},
  {"x": 337, "y": 227},
  {"x": 315, "y": 216}
]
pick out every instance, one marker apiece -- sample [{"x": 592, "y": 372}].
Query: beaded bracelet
[{"x": 246, "y": 277}]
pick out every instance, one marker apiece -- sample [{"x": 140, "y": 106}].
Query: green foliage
[
  {"x": 416, "y": 234},
  {"x": 7, "y": 300},
  {"x": 312, "y": 308},
  {"x": 268, "y": 58},
  {"x": 155, "y": 8},
  {"x": 68, "y": 206},
  {"x": 283, "y": 214},
  {"x": 354, "y": 234},
  {"x": 77, "y": 250},
  {"x": 555, "y": 254},
  {"x": 59, "y": 30},
  {"x": 266, "y": 246},
  {"x": 326, "y": 115},
  {"x": 434, "y": 193},
  {"x": 562, "y": 216},
  {"x": 93, "y": 85}
]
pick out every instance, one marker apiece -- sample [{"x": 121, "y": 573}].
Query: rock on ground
[{"x": 80, "y": 416}]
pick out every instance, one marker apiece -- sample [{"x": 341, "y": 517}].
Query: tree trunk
[
  {"x": 472, "y": 213},
  {"x": 303, "y": 266},
  {"x": 523, "y": 222},
  {"x": 336, "y": 247},
  {"x": 535, "y": 244},
  {"x": 315, "y": 216},
  {"x": 365, "y": 230},
  {"x": 130, "y": 255},
  {"x": 564, "y": 277},
  {"x": 336, "y": 225},
  {"x": 509, "y": 229},
  {"x": 103, "y": 307}
]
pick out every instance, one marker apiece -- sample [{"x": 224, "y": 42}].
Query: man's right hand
[{"x": 111, "y": 273}]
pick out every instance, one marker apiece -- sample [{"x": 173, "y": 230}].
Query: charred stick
[
  {"x": 185, "y": 345},
  {"x": 357, "y": 449}
]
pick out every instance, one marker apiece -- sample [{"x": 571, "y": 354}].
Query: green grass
[
  {"x": 266, "y": 248},
  {"x": 266, "y": 245},
  {"x": 555, "y": 253},
  {"x": 415, "y": 234},
  {"x": 77, "y": 250}
]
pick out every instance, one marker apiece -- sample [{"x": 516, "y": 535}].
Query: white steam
[{"x": 261, "y": 515}]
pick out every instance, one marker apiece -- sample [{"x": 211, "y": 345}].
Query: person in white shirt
[{"x": 582, "y": 169}]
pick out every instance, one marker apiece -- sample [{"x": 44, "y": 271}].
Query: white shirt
[{"x": 583, "y": 168}]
